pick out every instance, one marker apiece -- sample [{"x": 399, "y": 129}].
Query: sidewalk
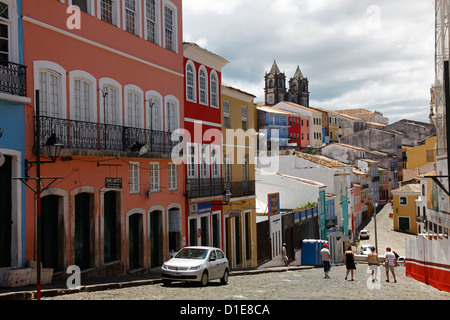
[{"x": 91, "y": 284}]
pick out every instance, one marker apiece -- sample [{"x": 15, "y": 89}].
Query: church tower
[
  {"x": 275, "y": 86},
  {"x": 298, "y": 89}
]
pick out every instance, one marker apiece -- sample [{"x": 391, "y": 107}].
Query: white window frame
[
  {"x": 215, "y": 161},
  {"x": 155, "y": 177},
  {"x": 108, "y": 82},
  {"x": 244, "y": 117},
  {"x": 226, "y": 114},
  {"x": 138, "y": 17},
  {"x": 173, "y": 176},
  {"x": 140, "y": 114},
  {"x": 172, "y": 100},
  {"x": 115, "y": 12},
  {"x": 192, "y": 161},
  {"x": 170, "y": 5},
  {"x": 156, "y": 117},
  {"x": 194, "y": 82},
  {"x": 200, "y": 89},
  {"x": 134, "y": 177},
  {"x": 51, "y": 67},
  {"x": 89, "y": 79},
  {"x": 214, "y": 94},
  {"x": 400, "y": 200},
  {"x": 90, "y": 4},
  {"x": 157, "y": 22},
  {"x": 205, "y": 161}
]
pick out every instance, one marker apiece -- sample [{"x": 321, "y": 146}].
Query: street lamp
[{"x": 53, "y": 146}]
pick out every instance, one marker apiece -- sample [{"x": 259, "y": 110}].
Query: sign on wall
[{"x": 273, "y": 203}]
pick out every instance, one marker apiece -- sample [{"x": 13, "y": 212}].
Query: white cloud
[{"x": 373, "y": 54}]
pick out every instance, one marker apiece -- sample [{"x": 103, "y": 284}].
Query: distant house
[{"x": 404, "y": 205}]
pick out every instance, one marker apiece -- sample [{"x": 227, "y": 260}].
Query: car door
[
  {"x": 213, "y": 265},
  {"x": 222, "y": 263}
]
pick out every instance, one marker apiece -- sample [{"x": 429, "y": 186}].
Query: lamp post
[{"x": 53, "y": 146}]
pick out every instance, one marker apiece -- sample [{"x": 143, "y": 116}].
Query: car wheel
[
  {"x": 204, "y": 280},
  {"x": 224, "y": 279},
  {"x": 167, "y": 283}
]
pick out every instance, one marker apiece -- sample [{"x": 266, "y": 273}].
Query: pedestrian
[
  {"x": 325, "y": 257},
  {"x": 284, "y": 254},
  {"x": 374, "y": 262},
  {"x": 349, "y": 260},
  {"x": 390, "y": 262}
]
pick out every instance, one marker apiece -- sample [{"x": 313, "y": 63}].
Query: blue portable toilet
[{"x": 311, "y": 252}]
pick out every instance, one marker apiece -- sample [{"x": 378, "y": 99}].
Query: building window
[
  {"x": 403, "y": 201},
  {"x": 226, "y": 114},
  {"x": 50, "y": 94},
  {"x": 4, "y": 31},
  {"x": 214, "y": 90},
  {"x": 172, "y": 176},
  {"x": 133, "y": 109},
  {"x": 192, "y": 162},
  {"x": 172, "y": 114},
  {"x": 244, "y": 118},
  {"x": 215, "y": 160},
  {"x": 108, "y": 11},
  {"x": 131, "y": 16},
  {"x": 154, "y": 177},
  {"x": 203, "y": 86},
  {"x": 169, "y": 29},
  {"x": 190, "y": 82},
  {"x": 111, "y": 105},
  {"x": 152, "y": 24},
  {"x": 82, "y": 100},
  {"x": 154, "y": 111},
  {"x": 134, "y": 177}
]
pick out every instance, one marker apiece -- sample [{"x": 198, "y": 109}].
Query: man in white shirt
[
  {"x": 390, "y": 262},
  {"x": 325, "y": 257}
]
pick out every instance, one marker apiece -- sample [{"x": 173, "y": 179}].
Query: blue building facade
[
  {"x": 278, "y": 124},
  {"x": 13, "y": 98}
]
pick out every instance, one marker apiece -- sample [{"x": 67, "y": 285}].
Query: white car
[
  {"x": 365, "y": 250},
  {"x": 199, "y": 264},
  {"x": 364, "y": 234}
]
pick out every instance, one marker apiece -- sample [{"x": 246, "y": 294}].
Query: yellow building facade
[
  {"x": 238, "y": 170},
  {"x": 404, "y": 207},
  {"x": 423, "y": 154}
]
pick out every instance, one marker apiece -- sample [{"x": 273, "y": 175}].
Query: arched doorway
[
  {"x": 51, "y": 235},
  {"x": 135, "y": 241},
  {"x": 84, "y": 237},
  {"x": 111, "y": 226},
  {"x": 156, "y": 239}
]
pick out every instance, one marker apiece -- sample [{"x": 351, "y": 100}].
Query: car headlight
[
  {"x": 195, "y": 268},
  {"x": 164, "y": 266}
]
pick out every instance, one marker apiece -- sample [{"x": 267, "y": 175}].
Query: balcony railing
[
  {"x": 104, "y": 137},
  {"x": 13, "y": 78},
  {"x": 240, "y": 188},
  {"x": 204, "y": 187}
]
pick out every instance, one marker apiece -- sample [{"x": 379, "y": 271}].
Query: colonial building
[
  {"x": 13, "y": 99},
  {"x": 238, "y": 171},
  {"x": 111, "y": 90},
  {"x": 203, "y": 168}
]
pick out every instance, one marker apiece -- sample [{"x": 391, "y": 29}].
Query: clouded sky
[{"x": 373, "y": 54}]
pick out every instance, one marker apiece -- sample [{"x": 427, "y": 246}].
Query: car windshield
[{"x": 191, "y": 253}]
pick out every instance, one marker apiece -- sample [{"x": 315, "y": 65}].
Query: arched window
[
  {"x": 110, "y": 94},
  {"x": 214, "y": 90},
  {"x": 154, "y": 111},
  {"x": 203, "y": 86},
  {"x": 190, "y": 82},
  {"x": 134, "y": 110}
]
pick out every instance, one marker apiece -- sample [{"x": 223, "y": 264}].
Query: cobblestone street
[{"x": 290, "y": 285}]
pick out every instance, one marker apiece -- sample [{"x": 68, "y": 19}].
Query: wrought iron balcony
[
  {"x": 13, "y": 78},
  {"x": 204, "y": 187},
  {"x": 83, "y": 135},
  {"x": 240, "y": 188}
]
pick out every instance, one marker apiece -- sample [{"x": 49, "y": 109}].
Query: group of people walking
[{"x": 390, "y": 262}]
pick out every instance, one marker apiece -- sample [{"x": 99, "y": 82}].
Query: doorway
[
  {"x": 50, "y": 233},
  {"x": 156, "y": 239},
  {"x": 111, "y": 228},
  {"x": 83, "y": 238},
  {"x": 136, "y": 241},
  {"x": 5, "y": 212}
]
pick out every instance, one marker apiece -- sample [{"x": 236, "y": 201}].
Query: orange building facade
[{"x": 110, "y": 78}]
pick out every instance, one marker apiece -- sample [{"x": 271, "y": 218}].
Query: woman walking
[
  {"x": 349, "y": 260},
  {"x": 373, "y": 262}
]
